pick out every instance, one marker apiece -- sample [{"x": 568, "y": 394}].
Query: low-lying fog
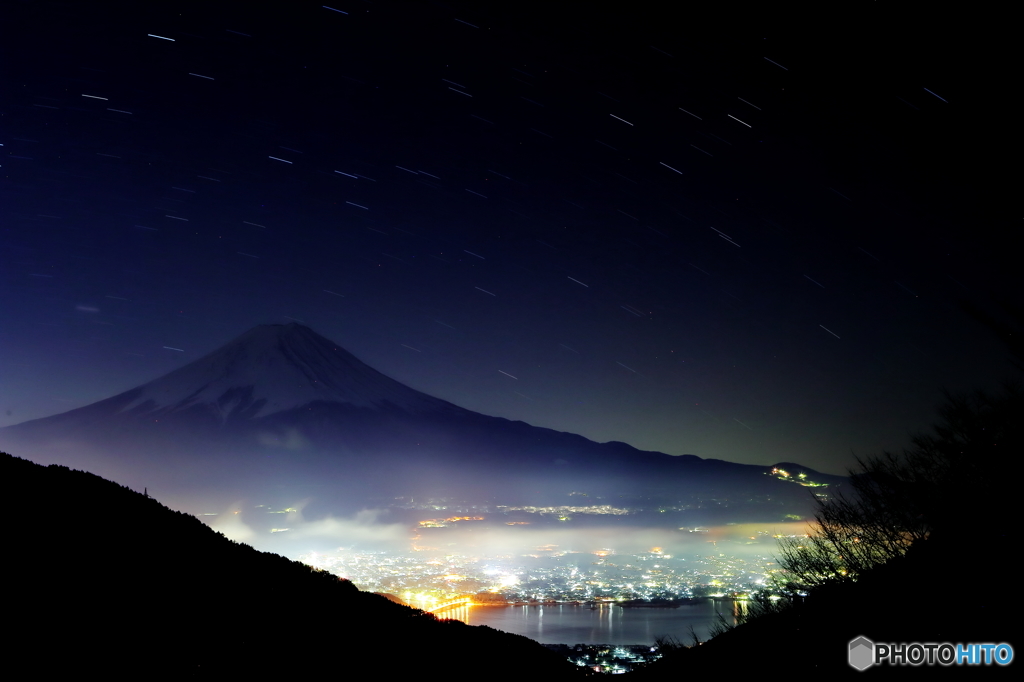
[{"x": 487, "y": 534}]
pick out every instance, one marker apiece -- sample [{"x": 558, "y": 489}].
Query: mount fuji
[
  {"x": 283, "y": 407},
  {"x": 266, "y": 371}
]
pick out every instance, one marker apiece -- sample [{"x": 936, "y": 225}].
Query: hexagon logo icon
[{"x": 862, "y": 653}]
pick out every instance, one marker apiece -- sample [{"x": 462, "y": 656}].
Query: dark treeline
[{"x": 101, "y": 578}]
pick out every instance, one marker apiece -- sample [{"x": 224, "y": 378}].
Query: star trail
[{"x": 695, "y": 236}]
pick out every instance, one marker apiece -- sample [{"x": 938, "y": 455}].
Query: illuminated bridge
[{"x": 453, "y": 604}]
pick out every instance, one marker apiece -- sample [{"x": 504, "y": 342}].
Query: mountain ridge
[{"x": 281, "y": 402}]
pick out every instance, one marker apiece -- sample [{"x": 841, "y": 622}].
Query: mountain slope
[
  {"x": 282, "y": 405},
  {"x": 103, "y": 579},
  {"x": 915, "y": 598}
]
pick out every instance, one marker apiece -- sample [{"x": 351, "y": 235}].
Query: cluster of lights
[
  {"x": 802, "y": 479},
  {"x": 442, "y": 523}
]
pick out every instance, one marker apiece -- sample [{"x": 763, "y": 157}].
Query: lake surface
[{"x": 607, "y": 624}]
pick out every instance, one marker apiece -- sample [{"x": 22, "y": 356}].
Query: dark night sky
[{"x": 716, "y": 235}]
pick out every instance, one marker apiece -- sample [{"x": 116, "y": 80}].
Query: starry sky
[{"x": 729, "y": 236}]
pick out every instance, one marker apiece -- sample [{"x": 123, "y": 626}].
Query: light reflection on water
[{"x": 605, "y": 624}]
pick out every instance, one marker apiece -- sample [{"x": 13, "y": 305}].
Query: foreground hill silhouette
[
  {"x": 933, "y": 594},
  {"x": 924, "y": 552},
  {"x": 103, "y": 579}
]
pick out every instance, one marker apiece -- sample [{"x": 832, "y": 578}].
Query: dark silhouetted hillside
[
  {"x": 924, "y": 553},
  {"x": 100, "y": 578},
  {"x": 935, "y": 593}
]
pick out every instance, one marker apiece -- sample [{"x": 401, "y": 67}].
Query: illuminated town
[
  {"x": 567, "y": 560},
  {"x": 430, "y": 576},
  {"x": 454, "y": 584},
  {"x": 429, "y": 581}
]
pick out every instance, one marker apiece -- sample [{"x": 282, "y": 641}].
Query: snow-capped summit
[{"x": 273, "y": 368}]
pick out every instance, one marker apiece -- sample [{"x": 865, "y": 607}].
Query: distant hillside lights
[
  {"x": 565, "y": 510},
  {"x": 802, "y": 479},
  {"x": 442, "y": 523}
]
